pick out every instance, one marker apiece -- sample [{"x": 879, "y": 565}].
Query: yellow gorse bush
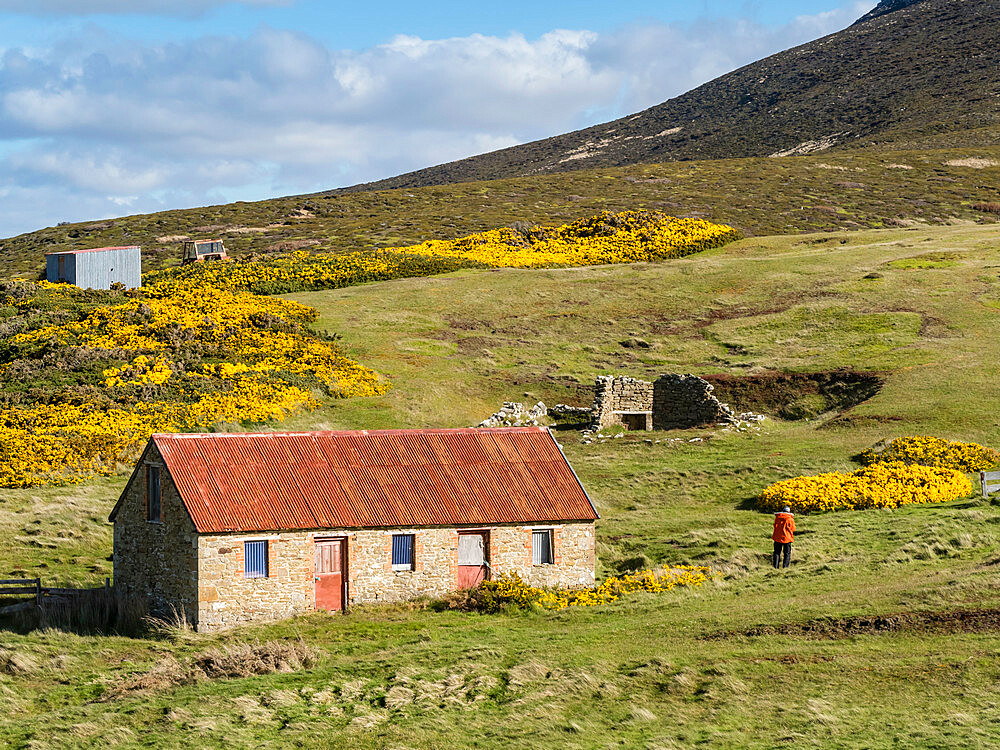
[
  {"x": 510, "y": 590},
  {"x": 926, "y": 450},
  {"x": 200, "y": 344},
  {"x": 608, "y": 237},
  {"x": 270, "y": 366},
  {"x": 883, "y": 485},
  {"x": 626, "y": 237},
  {"x": 143, "y": 370}
]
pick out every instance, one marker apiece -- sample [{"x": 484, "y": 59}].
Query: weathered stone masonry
[
  {"x": 670, "y": 402},
  {"x": 156, "y": 561},
  {"x": 682, "y": 401},
  {"x": 227, "y": 598},
  {"x": 625, "y": 401}
]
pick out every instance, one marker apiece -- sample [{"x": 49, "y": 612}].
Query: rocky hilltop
[
  {"x": 908, "y": 71},
  {"x": 888, "y": 6}
]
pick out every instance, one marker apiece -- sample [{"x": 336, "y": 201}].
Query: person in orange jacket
[{"x": 784, "y": 534}]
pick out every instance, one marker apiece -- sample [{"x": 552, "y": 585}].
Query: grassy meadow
[{"x": 836, "y": 659}]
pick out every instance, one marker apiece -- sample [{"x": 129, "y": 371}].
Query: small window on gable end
[
  {"x": 255, "y": 559},
  {"x": 541, "y": 547},
  {"x": 402, "y": 551},
  {"x": 153, "y": 510}
]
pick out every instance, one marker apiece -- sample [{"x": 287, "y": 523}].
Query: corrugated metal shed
[
  {"x": 96, "y": 268},
  {"x": 372, "y": 479}
]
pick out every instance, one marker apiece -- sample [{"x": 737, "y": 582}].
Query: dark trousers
[{"x": 782, "y": 549}]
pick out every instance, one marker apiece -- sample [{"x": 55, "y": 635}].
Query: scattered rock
[
  {"x": 635, "y": 343},
  {"x": 564, "y": 410},
  {"x": 513, "y": 414}
]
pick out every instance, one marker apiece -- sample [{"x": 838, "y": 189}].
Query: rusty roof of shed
[
  {"x": 241, "y": 482},
  {"x": 94, "y": 250}
]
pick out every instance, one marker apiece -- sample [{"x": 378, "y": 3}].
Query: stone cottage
[{"x": 232, "y": 528}]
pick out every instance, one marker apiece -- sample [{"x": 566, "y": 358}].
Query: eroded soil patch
[
  {"x": 797, "y": 395},
  {"x": 947, "y": 621}
]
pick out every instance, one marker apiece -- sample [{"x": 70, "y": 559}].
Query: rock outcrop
[{"x": 887, "y": 6}]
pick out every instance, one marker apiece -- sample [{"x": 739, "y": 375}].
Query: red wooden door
[
  {"x": 331, "y": 561},
  {"x": 473, "y": 559}
]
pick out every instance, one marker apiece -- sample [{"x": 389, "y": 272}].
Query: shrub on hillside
[
  {"x": 625, "y": 237},
  {"x": 509, "y": 591},
  {"x": 882, "y": 485},
  {"x": 92, "y": 375},
  {"x": 925, "y": 450}
]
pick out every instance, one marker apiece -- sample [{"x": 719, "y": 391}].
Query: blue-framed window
[
  {"x": 402, "y": 551},
  {"x": 255, "y": 559}
]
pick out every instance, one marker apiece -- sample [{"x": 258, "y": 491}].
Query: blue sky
[
  {"x": 110, "y": 107},
  {"x": 360, "y": 25}
]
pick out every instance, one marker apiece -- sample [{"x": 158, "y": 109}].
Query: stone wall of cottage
[
  {"x": 573, "y": 552},
  {"x": 156, "y": 562},
  {"x": 227, "y": 598}
]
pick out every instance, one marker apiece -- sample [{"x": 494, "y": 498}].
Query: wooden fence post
[{"x": 38, "y": 591}]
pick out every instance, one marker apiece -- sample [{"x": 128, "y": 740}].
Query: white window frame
[
  {"x": 412, "y": 565},
  {"x": 552, "y": 546},
  {"x": 267, "y": 559}
]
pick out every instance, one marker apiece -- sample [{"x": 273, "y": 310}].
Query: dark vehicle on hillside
[{"x": 197, "y": 251}]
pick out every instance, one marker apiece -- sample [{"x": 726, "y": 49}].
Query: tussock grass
[
  {"x": 16, "y": 664},
  {"x": 100, "y": 611},
  {"x": 246, "y": 659},
  {"x": 234, "y": 661}
]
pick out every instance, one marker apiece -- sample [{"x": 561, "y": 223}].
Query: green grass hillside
[
  {"x": 939, "y": 182},
  {"x": 839, "y": 651}
]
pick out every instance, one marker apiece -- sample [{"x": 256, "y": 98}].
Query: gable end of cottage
[{"x": 155, "y": 553}]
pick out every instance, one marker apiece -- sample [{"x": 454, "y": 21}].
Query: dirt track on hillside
[{"x": 948, "y": 621}]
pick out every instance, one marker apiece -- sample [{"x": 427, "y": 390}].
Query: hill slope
[
  {"x": 845, "y": 190},
  {"x": 910, "y": 69},
  {"x": 867, "y": 641}
]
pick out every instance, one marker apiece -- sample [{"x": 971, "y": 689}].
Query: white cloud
[
  {"x": 143, "y": 7},
  {"x": 98, "y": 119}
]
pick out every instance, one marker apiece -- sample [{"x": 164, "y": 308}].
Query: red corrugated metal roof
[
  {"x": 380, "y": 478},
  {"x": 94, "y": 250}
]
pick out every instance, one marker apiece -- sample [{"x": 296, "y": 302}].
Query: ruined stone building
[
  {"x": 668, "y": 403},
  {"x": 232, "y": 528}
]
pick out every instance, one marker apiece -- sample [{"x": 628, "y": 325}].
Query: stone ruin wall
[
  {"x": 612, "y": 396},
  {"x": 671, "y": 401},
  {"x": 682, "y": 401}
]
